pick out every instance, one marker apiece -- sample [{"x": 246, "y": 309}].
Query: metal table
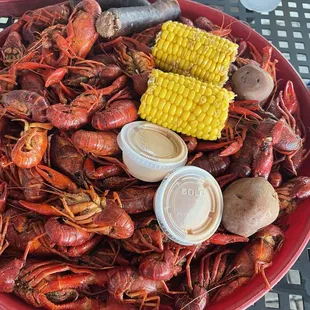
[{"x": 288, "y": 28}]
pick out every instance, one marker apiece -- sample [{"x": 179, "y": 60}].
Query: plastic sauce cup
[
  {"x": 150, "y": 151},
  {"x": 189, "y": 205}
]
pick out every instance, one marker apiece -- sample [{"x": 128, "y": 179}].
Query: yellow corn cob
[
  {"x": 185, "y": 105},
  {"x": 193, "y": 52}
]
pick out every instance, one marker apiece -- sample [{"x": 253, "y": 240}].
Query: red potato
[{"x": 249, "y": 205}]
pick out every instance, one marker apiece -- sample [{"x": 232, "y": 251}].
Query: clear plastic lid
[
  {"x": 152, "y": 146},
  {"x": 189, "y": 205}
]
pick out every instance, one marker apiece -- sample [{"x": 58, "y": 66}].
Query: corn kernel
[
  {"x": 172, "y": 110},
  {"x": 223, "y": 116},
  {"x": 178, "y": 99},
  {"x": 164, "y": 117},
  {"x": 147, "y": 109},
  {"x": 200, "y": 118},
  {"x": 153, "y": 113},
  {"x": 191, "y": 117},
  {"x": 185, "y": 115},
  {"x": 181, "y": 89},
  {"x": 188, "y": 105},
  {"x": 166, "y": 107},
  {"x": 207, "y": 129},
  {"x": 205, "y": 107},
  {"x": 208, "y": 120},
  {"x": 211, "y": 110},
  {"x": 159, "y": 114},
  {"x": 187, "y": 128},
  {"x": 197, "y": 110},
  {"x": 200, "y": 125},
  {"x": 157, "y": 91},
  {"x": 163, "y": 93},
  {"x": 170, "y": 119}
]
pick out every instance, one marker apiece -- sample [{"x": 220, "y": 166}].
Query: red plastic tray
[{"x": 298, "y": 233}]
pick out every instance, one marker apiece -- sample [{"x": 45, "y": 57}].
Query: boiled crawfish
[
  {"x": 293, "y": 192},
  {"x": 90, "y": 212}
]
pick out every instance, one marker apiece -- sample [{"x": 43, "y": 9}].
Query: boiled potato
[
  {"x": 249, "y": 205},
  {"x": 252, "y": 83}
]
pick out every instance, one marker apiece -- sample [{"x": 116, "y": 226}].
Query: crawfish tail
[{"x": 213, "y": 163}]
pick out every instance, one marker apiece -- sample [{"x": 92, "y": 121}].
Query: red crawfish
[
  {"x": 254, "y": 258},
  {"x": 284, "y": 139},
  {"x": 81, "y": 109},
  {"x": 66, "y": 235},
  {"x": 37, "y": 20},
  {"x": 146, "y": 238},
  {"x": 116, "y": 115},
  {"x": 134, "y": 58},
  {"x": 205, "y": 24},
  {"x": 3, "y": 196},
  {"x": 30, "y": 148},
  {"x": 165, "y": 265},
  {"x": 148, "y": 36},
  {"x": 57, "y": 284},
  {"x": 90, "y": 72},
  {"x": 275, "y": 178},
  {"x": 106, "y": 254},
  {"x": 107, "y": 170},
  {"x": 117, "y": 182},
  {"x": 212, "y": 162},
  {"x": 137, "y": 199},
  {"x": 75, "y": 115},
  {"x": 81, "y": 28},
  {"x": 25, "y": 104},
  {"x": 255, "y": 157},
  {"x": 205, "y": 278},
  {"x": 293, "y": 162},
  {"x": 24, "y": 228},
  {"x": 56, "y": 238},
  {"x": 191, "y": 142},
  {"x": 126, "y": 281},
  {"x": 97, "y": 143},
  {"x": 186, "y": 21},
  {"x": 32, "y": 184},
  {"x": 12, "y": 49},
  {"x": 57, "y": 179},
  {"x": 4, "y": 224},
  {"x": 9, "y": 75},
  {"x": 293, "y": 192},
  {"x": 67, "y": 159},
  {"x": 88, "y": 211},
  {"x": 33, "y": 82},
  {"x": 52, "y": 40}
]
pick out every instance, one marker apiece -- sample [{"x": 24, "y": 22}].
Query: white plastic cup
[
  {"x": 150, "y": 151},
  {"x": 189, "y": 205},
  {"x": 260, "y": 6}
]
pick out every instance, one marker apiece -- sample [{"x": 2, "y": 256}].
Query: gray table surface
[{"x": 288, "y": 28}]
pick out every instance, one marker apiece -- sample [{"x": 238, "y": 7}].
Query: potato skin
[
  {"x": 252, "y": 83},
  {"x": 249, "y": 205}
]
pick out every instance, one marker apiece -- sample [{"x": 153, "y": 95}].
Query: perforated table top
[{"x": 288, "y": 28}]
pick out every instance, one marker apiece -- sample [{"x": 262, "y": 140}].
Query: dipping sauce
[
  {"x": 189, "y": 205},
  {"x": 150, "y": 151}
]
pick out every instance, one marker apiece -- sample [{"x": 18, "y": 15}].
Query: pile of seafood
[{"x": 77, "y": 230}]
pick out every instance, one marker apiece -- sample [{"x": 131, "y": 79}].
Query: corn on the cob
[
  {"x": 185, "y": 105},
  {"x": 193, "y": 52}
]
